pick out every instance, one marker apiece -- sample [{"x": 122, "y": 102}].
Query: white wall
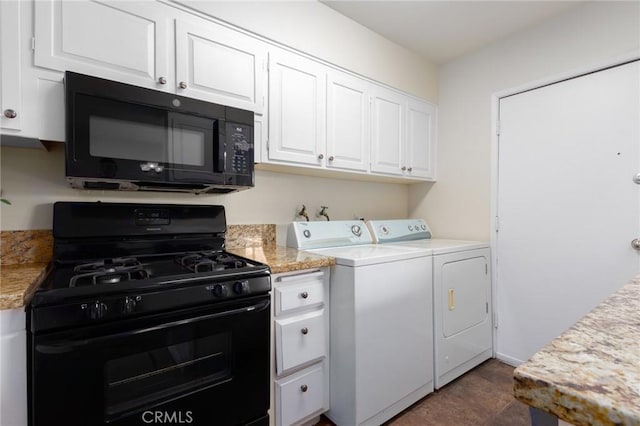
[
  {"x": 458, "y": 205},
  {"x": 32, "y": 179}
]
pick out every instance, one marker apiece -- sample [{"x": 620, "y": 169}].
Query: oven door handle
[{"x": 71, "y": 345}]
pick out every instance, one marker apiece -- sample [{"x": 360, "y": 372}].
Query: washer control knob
[
  {"x": 384, "y": 229},
  {"x": 424, "y": 227},
  {"x": 356, "y": 230},
  {"x": 128, "y": 305},
  {"x": 306, "y": 233},
  {"x": 241, "y": 287},
  {"x": 219, "y": 290},
  {"x": 410, "y": 227}
]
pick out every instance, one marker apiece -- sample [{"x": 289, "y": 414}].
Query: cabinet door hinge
[
  {"x": 486, "y": 269},
  {"x": 495, "y": 320},
  {"x": 498, "y": 127},
  {"x": 486, "y": 307},
  {"x": 267, "y": 145},
  {"x": 497, "y": 223},
  {"x": 33, "y": 44}
]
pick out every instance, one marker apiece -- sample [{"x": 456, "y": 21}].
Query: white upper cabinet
[
  {"x": 388, "y": 128},
  {"x": 297, "y": 109},
  {"x": 122, "y": 41},
  {"x": 219, "y": 64},
  {"x": 348, "y": 122},
  {"x": 11, "y": 79},
  {"x": 421, "y": 135}
]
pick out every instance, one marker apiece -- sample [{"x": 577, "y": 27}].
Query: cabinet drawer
[
  {"x": 307, "y": 293},
  {"x": 300, "y": 395},
  {"x": 300, "y": 339}
]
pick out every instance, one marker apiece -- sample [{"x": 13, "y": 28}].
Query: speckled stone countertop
[
  {"x": 25, "y": 258},
  {"x": 283, "y": 259},
  {"x": 590, "y": 375}
]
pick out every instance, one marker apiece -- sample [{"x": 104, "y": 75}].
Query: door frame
[{"x": 495, "y": 116}]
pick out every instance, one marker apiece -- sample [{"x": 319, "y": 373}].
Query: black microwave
[{"x": 130, "y": 138}]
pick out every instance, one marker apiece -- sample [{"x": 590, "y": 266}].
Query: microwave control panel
[{"x": 239, "y": 149}]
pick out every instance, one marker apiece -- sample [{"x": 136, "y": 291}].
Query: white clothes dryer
[
  {"x": 462, "y": 310},
  {"x": 381, "y": 336}
]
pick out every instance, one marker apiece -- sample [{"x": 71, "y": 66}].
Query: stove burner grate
[
  {"x": 209, "y": 261},
  {"x": 108, "y": 271}
]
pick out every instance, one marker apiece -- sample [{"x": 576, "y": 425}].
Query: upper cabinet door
[
  {"x": 388, "y": 127},
  {"x": 122, "y": 41},
  {"x": 421, "y": 139},
  {"x": 297, "y": 105},
  {"x": 11, "y": 82},
  {"x": 219, "y": 65},
  {"x": 348, "y": 122}
]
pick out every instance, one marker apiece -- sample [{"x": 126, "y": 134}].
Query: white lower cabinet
[
  {"x": 13, "y": 368},
  {"x": 301, "y": 346}
]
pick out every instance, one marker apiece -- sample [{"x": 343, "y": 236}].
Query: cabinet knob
[
  {"x": 304, "y": 294},
  {"x": 410, "y": 168},
  {"x": 10, "y": 113},
  {"x": 320, "y": 157},
  {"x": 182, "y": 85},
  {"x": 331, "y": 158},
  {"x": 162, "y": 80},
  {"x": 305, "y": 330},
  {"x": 404, "y": 168},
  {"x": 304, "y": 388}
]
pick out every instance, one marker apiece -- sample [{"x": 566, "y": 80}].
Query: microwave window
[{"x": 145, "y": 142}]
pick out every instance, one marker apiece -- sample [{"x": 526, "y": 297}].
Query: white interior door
[{"x": 567, "y": 205}]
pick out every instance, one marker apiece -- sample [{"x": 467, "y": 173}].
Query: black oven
[
  {"x": 126, "y": 137},
  {"x": 202, "y": 366},
  {"x": 146, "y": 319}
]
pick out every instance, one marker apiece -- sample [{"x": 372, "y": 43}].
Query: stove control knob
[
  {"x": 128, "y": 305},
  {"x": 241, "y": 287},
  {"x": 219, "y": 290},
  {"x": 97, "y": 310}
]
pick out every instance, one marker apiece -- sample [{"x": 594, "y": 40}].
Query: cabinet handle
[
  {"x": 162, "y": 80},
  {"x": 305, "y": 330},
  {"x": 10, "y": 113},
  {"x": 304, "y": 294},
  {"x": 182, "y": 85},
  {"x": 404, "y": 168},
  {"x": 304, "y": 388},
  {"x": 410, "y": 168},
  {"x": 320, "y": 157},
  {"x": 331, "y": 158}
]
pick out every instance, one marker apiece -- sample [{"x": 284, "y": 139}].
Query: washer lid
[
  {"x": 371, "y": 254},
  {"x": 438, "y": 246}
]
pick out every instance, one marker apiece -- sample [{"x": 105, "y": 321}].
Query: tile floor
[{"x": 482, "y": 397}]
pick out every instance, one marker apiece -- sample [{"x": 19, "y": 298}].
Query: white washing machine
[
  {"x": 381, "y": 356},
  {"x": 461, "y": 293}
]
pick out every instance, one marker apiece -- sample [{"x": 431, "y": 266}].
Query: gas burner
[
  {"x": 209, "y": 261},
  {"x": 106, "y": 264},
  {"x": 109, "y": 273}
]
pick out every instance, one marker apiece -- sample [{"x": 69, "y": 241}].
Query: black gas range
[{"x": 145, "y": 318}]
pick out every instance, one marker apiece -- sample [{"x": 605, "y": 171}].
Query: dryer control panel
[
  {"x": 391, "y": 231},
  {"x": 310, "y": 235}
]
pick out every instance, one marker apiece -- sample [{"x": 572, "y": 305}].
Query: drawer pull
[
  {"x": 304, "y": 388},
  {"x": 304, "y": 294},
  {"x": 305, "y": 330}
]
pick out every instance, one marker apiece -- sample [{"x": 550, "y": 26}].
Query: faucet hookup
[
  {"x": 323, "y": 212},
  {"x": 303, "y": 212}
]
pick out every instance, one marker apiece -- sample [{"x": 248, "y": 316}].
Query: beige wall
[
  {"x": 459, "y": 204},
  {"x": 320, "y": 31},
  {"x": 32, "y": 179}
]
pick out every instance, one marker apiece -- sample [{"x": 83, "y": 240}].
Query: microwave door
[{"x": 193, "y": 150}]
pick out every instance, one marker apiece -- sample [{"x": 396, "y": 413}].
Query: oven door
[
  {"x": 113, "y": 139},
  {"x": 204, "y": 366}
]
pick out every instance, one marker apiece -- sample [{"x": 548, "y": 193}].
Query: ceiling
[{"x": 443, "y": 30}]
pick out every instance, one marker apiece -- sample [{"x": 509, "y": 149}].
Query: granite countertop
[
  {"x": 283, "y": 259},
  {"x": 591, "y": 373},
  {"x": 18, "y": 282}
]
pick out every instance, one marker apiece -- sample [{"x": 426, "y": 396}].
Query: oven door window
[
  {"x": 162, "y": 373},
  {"x": 127, "y": 141}
]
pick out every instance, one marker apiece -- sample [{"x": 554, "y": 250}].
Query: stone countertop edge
[
  {"x": 283, "y": 259},
  {"x": 19, "y": 282},
  {"x": 590, "y": 374}
]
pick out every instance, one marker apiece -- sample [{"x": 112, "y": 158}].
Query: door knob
[
  {"x": 162, "y": 80},
  {"x": 182, "y": 85},
  {"x": 635, "y": 243},
  {"x": 320, "y": 157},
  {"x": 10, "y": 113}
]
